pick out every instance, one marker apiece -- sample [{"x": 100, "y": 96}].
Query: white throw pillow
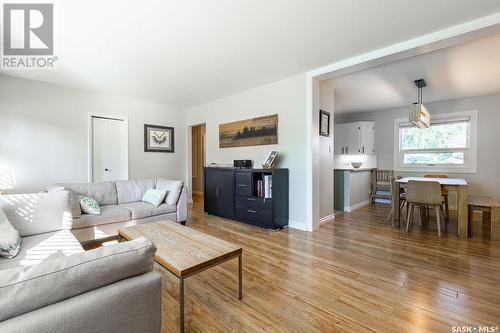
[
  {"x": 10, "y": 241},
  {"x": 154, "y": 197},
  {"x": 173, "y": 187},
  {"x": 90, "y": 206}
]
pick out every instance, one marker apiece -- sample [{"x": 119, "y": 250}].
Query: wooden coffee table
[{"x": 184, "y": 252}]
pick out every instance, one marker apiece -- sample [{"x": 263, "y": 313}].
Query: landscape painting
[{"x": 249, "y": 132}]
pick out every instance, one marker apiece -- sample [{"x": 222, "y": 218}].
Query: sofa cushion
[
  {"x": 25, "y": 289},
  {"x": 133, "y": 190},
  {"x": 10, "y": 241},
  {"x": 109, "y": 214},
  {"x": 38, "y": 248},
  {"x": 142, "y": 209},
  {"x": 36, "y": 213},
  {"x": 174, "y": 188},
  {"x": 104, "y": 193}
]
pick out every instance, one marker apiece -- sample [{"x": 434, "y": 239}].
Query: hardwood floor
[{"x": 354, "y": 274}]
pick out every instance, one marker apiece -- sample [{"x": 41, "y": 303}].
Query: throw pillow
[
  {"x": 173, "y": 187},
  {"x": 90, "y": 206},
  {"x": 10, "y": 241},
  {"x": 154, "y": 196}
]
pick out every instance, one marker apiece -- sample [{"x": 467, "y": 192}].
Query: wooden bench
[{"x": 491, "y": 211}]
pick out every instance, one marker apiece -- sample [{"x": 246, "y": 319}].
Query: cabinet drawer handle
[
  {"x": 242, "y": 185},
  {"x": 251, "y": 211},
  {"x": 251, "y": 199}
]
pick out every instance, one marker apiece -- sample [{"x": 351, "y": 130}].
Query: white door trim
[
  {"x": 457, "y": 34},
  {"x": 89, "y": 141}
]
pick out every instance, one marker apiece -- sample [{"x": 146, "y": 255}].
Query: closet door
[{"x": 108, "y": 149}]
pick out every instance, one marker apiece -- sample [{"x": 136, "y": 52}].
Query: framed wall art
[
  {"x": 249, "y": 132},
  {"x": 324, "y": 123},
  {"x": 158, "y": 139}
]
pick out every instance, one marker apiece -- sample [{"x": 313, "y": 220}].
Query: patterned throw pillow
[
  {"x": 90, "y": 206},
  {"x": 154, "y": 196}
]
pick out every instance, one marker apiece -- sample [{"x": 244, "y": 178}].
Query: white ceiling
[
  {"x": 465, "y": 70},
  {"x": 192, "y": 51}
]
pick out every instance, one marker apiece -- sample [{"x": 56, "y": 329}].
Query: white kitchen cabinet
[
  {"x": 339, "y": 139},
  {"x": 355, "y": 138}
]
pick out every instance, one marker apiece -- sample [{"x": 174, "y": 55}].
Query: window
[{"x": 449, "y": 145}]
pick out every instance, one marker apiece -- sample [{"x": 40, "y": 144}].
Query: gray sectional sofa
[
  {"x": 53, "y": 285},
  {"x": 121, "y": 206}
]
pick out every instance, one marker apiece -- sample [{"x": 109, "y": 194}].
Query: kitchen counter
[
  {"x": 352, "y": 188},
  {"x": 354, "y": 170}
]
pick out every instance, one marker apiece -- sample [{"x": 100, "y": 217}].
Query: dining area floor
[{"x": 356, "y": 273}]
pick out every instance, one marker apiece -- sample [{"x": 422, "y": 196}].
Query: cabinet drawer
[
  {"x": 254, "y": 203},
  {"x": 243, "y": 185},
  {"x": 263, "y": 217}
]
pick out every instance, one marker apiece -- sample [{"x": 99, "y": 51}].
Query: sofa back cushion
[
  {"x": 173, "y": 187},
  {"x": 26, "y": 289},
  {"x": 133, "y": 190},
  {"x": 104, "y": 193},
  {"x": 36, "y": 213}
]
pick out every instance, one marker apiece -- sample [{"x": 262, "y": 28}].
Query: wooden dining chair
[
  {"x": 424, "y": 194},
  {"x": 402, "y": 199},
  {"x": 381, "y": 182},
  {"x": 445, "y": 194}
]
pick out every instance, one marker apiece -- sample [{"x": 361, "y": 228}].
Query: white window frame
[{"x": 470, "y": 152}]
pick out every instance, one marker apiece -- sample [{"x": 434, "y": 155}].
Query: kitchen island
[{"x": 352, "y": 188}]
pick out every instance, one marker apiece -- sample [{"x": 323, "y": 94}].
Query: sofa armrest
[
  {"x": 26, "y": 289},
  {"x": 38, "y": 213},
  {"x": 182, "y": 206}
]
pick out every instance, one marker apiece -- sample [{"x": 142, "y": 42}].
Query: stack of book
[
  {"x": 260, "y": 189},
  {"x": 265, "y": 187},
  {"x": 268, "y": 186}
]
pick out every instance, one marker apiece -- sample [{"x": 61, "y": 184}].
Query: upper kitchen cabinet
[{"x": 355, "y": 138}]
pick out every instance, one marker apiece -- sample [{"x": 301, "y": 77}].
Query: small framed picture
[
  {"x": 158, "y": 139},
  {"x": 270, "y": 160},
  {"x": 324, "y": 123}
]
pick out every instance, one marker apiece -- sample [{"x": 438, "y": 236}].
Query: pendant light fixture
[{"x": 419, "y": 116}]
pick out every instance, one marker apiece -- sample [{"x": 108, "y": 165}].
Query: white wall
[
  {"x": 486, "y": 181},
  {"x": 43, "y": 133},
  {"x": 326, "y": 162},
  {"x": 287, "y": 98}
]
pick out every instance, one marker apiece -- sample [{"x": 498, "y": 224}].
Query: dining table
[{"x": 457, "y": 185}]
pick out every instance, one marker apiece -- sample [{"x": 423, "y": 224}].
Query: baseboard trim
[
  {"x": 357, "y": 206},
  {"x": 327, "y": 218},
  {"x": 296, "y": 225}
]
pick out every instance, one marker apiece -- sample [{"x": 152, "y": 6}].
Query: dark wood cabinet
[{"x": 255, "y": 196}]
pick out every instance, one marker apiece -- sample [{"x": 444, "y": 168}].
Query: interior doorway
[
  {"x": 197, "y": 160},
  {"x": 108, "y": 148}
]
